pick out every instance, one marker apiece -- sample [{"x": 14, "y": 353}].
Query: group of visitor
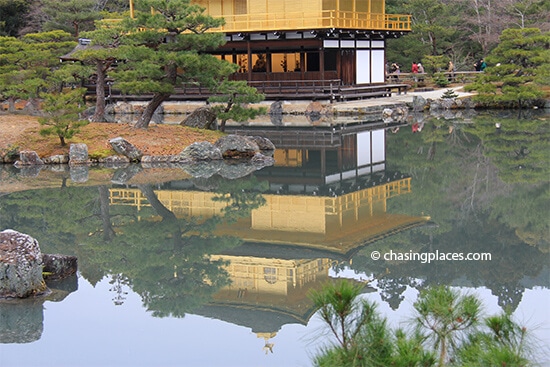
[
  {"x": 480, "y": 65},
  {"x": 417, "y": 68},
  {"x": 394, "y": 70}
]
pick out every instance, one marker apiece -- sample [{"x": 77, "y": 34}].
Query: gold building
[{"x": 315, "y": 40}]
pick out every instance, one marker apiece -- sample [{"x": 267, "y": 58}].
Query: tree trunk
[
  {"x": 166, "y": 214},
  {"x": 108, "y": 231},
  {"x": 11, "y": 105},
  {"x": 147, "y": 115},
  {"x": 442, "y": 352},
  {"x": 99, "y": 114}
]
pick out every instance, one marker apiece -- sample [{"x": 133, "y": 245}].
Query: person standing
[
  {"x": 451, "y": 71},
  {"x": 414, "y": 70},
  {"x": 421, "y": 72},
  {"x": 482, "y": 65}
]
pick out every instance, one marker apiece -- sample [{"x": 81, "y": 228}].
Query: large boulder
[
  {"x": 21, "y": 322},
  {"x": 78, "y": 154},
  {"x": 28, "y": 158},
  {"x": 199, "y": 151},
  {"x": 419, "y": 103},
  {"x": 276, "y": 108},
  {"x": 202, "y": 118},
  {"x": 20, "y": 266},
  {"x": 125, "y": 148},
  {"x": 237, "y": 147},
  {"x": 266, "y": 146},
  {"x": 203, "y": 169},
  {"x": 58, "y": 266}
]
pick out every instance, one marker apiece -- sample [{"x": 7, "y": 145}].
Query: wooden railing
[
  {"x": 331, "y": 90},
  {"x": 455, "y": 77}
]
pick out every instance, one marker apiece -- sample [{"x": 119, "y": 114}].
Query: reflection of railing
[
  {"x": 185, "y": 203},
  {"x": 338, "y": 223},
  {"x": 280, "y": 211},
  {"x": 380, "y": 193},
  {"x": 325, "y": 20}
]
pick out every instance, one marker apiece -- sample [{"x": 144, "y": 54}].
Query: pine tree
[
  {"x": 61, "y": 114},
  {"x": 518, "y": 67},
  {"x": 164, "y": 49}
]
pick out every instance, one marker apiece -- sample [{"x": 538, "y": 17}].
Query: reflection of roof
[
  {"x": 261, "y": 319},
  {"x": 340, "y": 243}
]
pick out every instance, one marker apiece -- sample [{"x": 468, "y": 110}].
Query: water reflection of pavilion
[
  {"x": 337, "y": 225},
  {"x": 327, "y": 191},
  {"x": 325, "y": 201}
]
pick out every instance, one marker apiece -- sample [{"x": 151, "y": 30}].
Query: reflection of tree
[
  {"x": 459, "y": 186},
  {"x": 118, "y": 286},
  {"x": 108, "y": 231},
  {"x": 391, "y": 291},
  {"x": 241, "y": 196},
  {"x": 167, "y": 261},
  {"x": 519, "y": 148},
  {"x": 509, "y": 296},
  {"x": 526, "y": 210}
]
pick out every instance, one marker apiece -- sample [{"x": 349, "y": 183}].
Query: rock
[
  {"x": 202, "y": 118},
  {"x": 122, "y": 146},
  {"x": 9, "y": 156},
  {"x": 447, "y": 103},
  {"x": 57, "y": 159},
  {"x": 21, "y": 322},
  {"x": 123, "y": 175},
  {"x": 276, "y": 119},
  {"x": 265, "y": 145},
  {"x": 124, "y": 108},
  {"x": 237, "y": 147},
  {"x": 204, "y": 169},
  {"x": 78, "y": 154},
  {"x": 28, "y": 158},
  {"x": 58, "y": 266},
  {"x": 315, "y": 112},
  {"x": 276, "y": 113},
  {"x": 199, "y": 151},
  {"x": 115, "y": 161},
  {"x": 20, "y": 266},
  {"x": 30, "y": 171},
  {"x": 315, "y": 108},
  {"x": 419, "y": 103},
  {"x": 79, "y": 173},
  {"x": 435, "y": 105},
  {"x": 276, "y": 108},
  {"x": 232, "y": 170},
  {"x": 261, "y": 160},
  {"x": 149, "y": 161},
  {"x": 468, "y": 103}
]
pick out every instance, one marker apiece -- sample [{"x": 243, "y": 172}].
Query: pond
[{"x": 176, "y": 270}]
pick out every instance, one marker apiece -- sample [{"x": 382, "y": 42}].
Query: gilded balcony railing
[
  {"x": 307, "y": 21},
  {"x": 326, "y": 19}
]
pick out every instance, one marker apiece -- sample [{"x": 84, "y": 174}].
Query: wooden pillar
[
  {"x": 249, "y": 60},
  {"x": 302, "y": 63},
  {"x": 322, "y": 61},
  {"x": 268, "y": 62},
  {"x": 339, "y": 61}
]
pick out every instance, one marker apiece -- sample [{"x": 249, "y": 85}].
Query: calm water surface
[{"x": 215, "y": 270}]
